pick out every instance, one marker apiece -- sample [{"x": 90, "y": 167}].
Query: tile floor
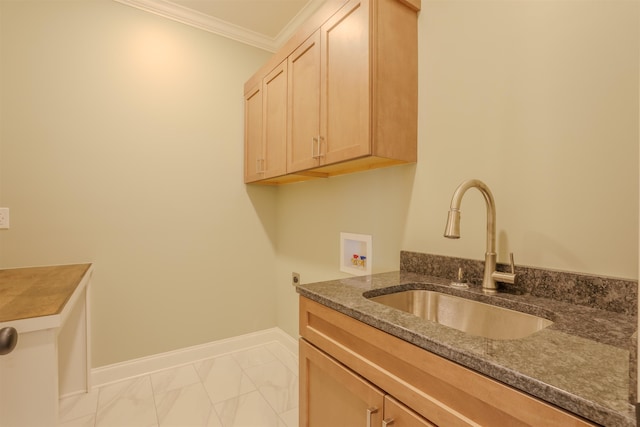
[{"x": 256, "y": 387}]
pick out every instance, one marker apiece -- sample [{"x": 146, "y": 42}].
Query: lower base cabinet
[
  {"x": 336, "y": 396},
  {"x": 353, "y": 375}
]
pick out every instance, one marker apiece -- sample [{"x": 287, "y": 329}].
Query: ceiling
[{"x": 266, "y": 24}]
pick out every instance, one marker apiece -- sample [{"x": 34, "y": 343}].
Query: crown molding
[
  {"x": 217, "y": 26},
  {"x": 287, "y": 32}
]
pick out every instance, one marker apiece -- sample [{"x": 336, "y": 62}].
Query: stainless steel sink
[{"x": 472, "y": 317}]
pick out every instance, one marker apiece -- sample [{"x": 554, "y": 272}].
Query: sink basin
[{"x": 472, "y": 317}]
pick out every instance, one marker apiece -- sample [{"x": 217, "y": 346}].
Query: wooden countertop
[{"x": 37, "y": 291}]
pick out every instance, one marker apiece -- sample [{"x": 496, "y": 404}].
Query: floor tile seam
[
  {"x": 284, "y": 347},
  {"x": 282, "y": 420},
  {"x": 200, "y": 360},
  {"x": 276, "y": 358},
  {"x": 155, "y": 403},
  {"x": 270, "y": 405},
  {"x": 266, "y": 401},
  {"x": 193, "y": 366},
  {"x": 214, "y": 404},
  {"x": 180, "y": 390},
  {"x": 246, "y": 374},
  {"x": 133, "y": 377},
  {"x": 284, "y": 362},
  {"x": 213, "y": 411},
  {"x": 100, "y": 391},
  {"x": 201, "y": 381},
  {"x": 264, "y": 397},
  {"x": 273, "y": 353},
  {"x": 248, "y": 368},
  {"x": 72, "y": 420},
  {"x": 177, "y": 366},
  {"x": 63, "y": 419},
  {"x": 229, "y": 354},
  {"x": 295, "y": 373},
  {"x": 257, "y": 388},
  {"x": 253, "y": 365},
  {"x": 223, "y": 403},
  {"x": 211, "y": 407},
  {"x": 192, "y": 363},
  {"x": 120, "y": 396},
  {"x": 240, "y": 395},
  {"x": 95, "y": 413},
  {"x": 244, "y": 371}
]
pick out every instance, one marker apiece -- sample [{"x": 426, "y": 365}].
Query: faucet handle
[{"x": 506, "y": 277}]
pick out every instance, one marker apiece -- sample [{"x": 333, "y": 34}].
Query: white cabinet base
[
  {"x": 29, "y": 381},
  {"x": 51, "y": 358}
]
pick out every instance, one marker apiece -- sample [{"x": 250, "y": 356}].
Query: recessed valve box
[{"x": 356, "y": 254}]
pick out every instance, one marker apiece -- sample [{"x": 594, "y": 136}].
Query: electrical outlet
[
  {"x": 4, "y": 218},
  {"x": 295, "y": 279}
]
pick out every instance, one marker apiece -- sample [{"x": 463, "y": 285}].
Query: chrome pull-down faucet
[{"x": 452, "y": 231}]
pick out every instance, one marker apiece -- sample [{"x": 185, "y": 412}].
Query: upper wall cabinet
[
  {"x": 304, "y": 106},
  {"x": 346, "y": 92},
  {"x": 266, "y": 126},
  {"x": 253, "y": 154}
]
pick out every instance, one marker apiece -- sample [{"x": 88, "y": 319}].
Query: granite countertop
[
  {"x": 37, "y": 291},
  {"x": 579, "y": 363}
]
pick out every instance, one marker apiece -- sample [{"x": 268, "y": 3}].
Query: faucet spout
[{"x": 452, "y": 230}]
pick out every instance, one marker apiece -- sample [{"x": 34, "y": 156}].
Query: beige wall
[
  {"x": 121, "y": 144},
  {"x": 112, "y": 153},
  {"x": 537, "y": 99}
]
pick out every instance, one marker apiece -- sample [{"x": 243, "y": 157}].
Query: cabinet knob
[{"x": 8, "y": 340}]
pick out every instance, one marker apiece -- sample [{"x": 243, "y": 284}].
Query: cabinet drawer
[{"x": 398, "y": 415}]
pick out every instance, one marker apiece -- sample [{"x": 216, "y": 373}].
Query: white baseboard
[{"x": 146, "y": 365}]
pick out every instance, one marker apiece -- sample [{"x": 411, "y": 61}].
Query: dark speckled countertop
[{"x": 579, "y": 363}]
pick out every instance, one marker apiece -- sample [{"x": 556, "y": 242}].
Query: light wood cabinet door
[
  {"x": 274, "y": 119},
  {"x": 253, "y": 134},
  {"x": 332, "y": 395},
  {"x": 304, "y": 106},
  {"x": 345, "y": 84},
  {"x": 329, "y": 92},
  {"x": 398, "y": 415},
  {"x": 265, "y": 126}
]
